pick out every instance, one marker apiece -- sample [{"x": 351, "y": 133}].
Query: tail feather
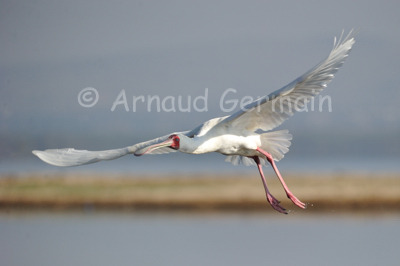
[{"x": 276, "y": 143}]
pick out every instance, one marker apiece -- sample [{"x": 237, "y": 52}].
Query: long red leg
[
  {"x": 289, "y": 194},
  {"x": 271, "y": 199}
]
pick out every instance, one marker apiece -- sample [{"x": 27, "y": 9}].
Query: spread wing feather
[
  {"x": 272, "y": 110},
  {"x": 73, "y": 157}
]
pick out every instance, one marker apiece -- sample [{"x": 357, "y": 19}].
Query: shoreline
[{"x": 338, "y": 192}]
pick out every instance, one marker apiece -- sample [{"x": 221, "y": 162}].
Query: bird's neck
[{"x": 196, "y": 145}]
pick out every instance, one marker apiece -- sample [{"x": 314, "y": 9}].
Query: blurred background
[{"x": 51, "y": 51}]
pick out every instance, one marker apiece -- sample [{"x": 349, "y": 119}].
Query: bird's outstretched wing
[
  {"x": 272, "y": 110},
  {"x": 72, "y": 157}
]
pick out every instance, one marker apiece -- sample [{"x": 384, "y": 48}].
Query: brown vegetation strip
[{"x": 328, "y": 192}]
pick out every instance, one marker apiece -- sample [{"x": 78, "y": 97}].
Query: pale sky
[{"x": 52, "y": 50}]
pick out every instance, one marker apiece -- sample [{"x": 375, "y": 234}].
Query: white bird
[{"x": 242, "y": 136}]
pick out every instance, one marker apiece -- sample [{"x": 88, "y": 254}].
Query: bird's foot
[
  {"x": 296, "y": 201},
  {"x": 275, "y": 204}
]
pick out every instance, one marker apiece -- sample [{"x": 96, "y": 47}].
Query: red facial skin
[{"x": 175, "y": 142}]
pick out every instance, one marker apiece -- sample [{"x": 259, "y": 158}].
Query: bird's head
[
  {"x": 175, "y": 141},
  {"x": 172, "y": 142}
]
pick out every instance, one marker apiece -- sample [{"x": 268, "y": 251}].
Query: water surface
[{"x": 118, "y": 238}]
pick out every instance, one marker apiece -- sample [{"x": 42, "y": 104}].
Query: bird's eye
[{"x": 176, "y": 139}]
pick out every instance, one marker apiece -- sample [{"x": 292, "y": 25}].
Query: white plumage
[{"x": 242, "y": 136}]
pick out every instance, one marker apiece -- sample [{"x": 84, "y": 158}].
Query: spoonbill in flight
[{"x": 244, "y": 137}]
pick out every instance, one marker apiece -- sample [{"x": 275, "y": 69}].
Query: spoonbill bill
[{"x": 245, "y": 137}]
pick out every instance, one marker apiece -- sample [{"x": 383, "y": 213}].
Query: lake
[
  {"x": 237, "y": 238},
  {"x": 211, "y": 163}
]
